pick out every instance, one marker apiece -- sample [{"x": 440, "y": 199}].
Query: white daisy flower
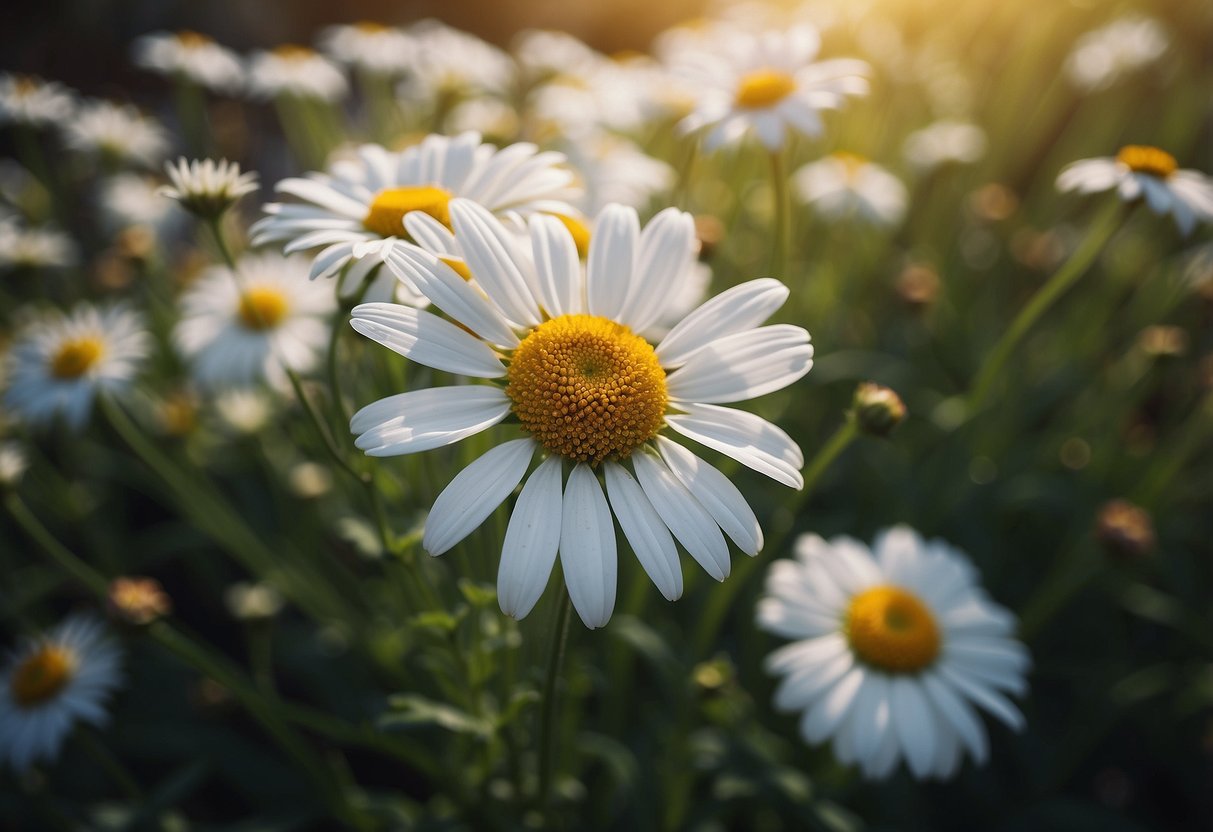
[
  {"x": 564, "y": 349},
  {"x": 844, "y": 185},
  {"x": 61, "y": 362},
  {"x": 133, "y": 199},
  {"x": 369, "y": 47},
  {"x": 207, "y": 188},
  {"x": 492, "y": 118},
  {"x": 240, "y": 329},
  {"x": 33, "y": 102},
  {"x": 766, "y": 83},
  {"x": 613, "y": 169},
  {"x": 451, "y": 65},
  {"x": 895, "y": 652},
  {"x": 296, "y": 71},
  {"x": 1105, "y": 55},
  {"x": 49, "y": 684},
  {"x": 544, "y": 53},
  {"x": 35, "y": 248},
  {"x": 945, "y": 142},
  {"x": 244, "y": 409},
  {"x": 192, "y": 57},
  {"x": 1141, "y": 172},
  {"x": 600, "y": 94},
  {"x": 117, "y": 131},
  {"x": 359, "y": 208}
]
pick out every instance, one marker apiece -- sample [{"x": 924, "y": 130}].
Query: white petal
[
  {"x": 871, "y": 716},
  {"x": 667, "y": 250},
  {"x": 957, "y": 713},
  {"x": 611, "y": 267},
  {"x": 531, "y": 541},
  {"x": 687, "y": 519},
  {"x": 736, "y": 310},
  {"x": 985, "y": 697},
  {"x": 914, "y": 725},
  {"x": 743, "y": 366},
  {"x": 587, "y": 548},
  {"x": 426, "y": 339},
  {"x": 557, "y": 265},
  {"x": 492, "y": 256},
  {"x": 424, "y": 419},
  {"x": 749, "y": 439},
  {"x": 474, "y": 493},
  {"x": 827, "y": 713},
  {"x": 716, "y": 493},
  {"x": 642, "y": 526}
]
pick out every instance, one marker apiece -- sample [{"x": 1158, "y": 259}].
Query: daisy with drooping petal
[
  {"x": 240, "y": 329},
  {"x": 207, "y": 188},
  {"x": 564, "y": 350},
  {"x": 843, "y": 186},
  {"x": 369, "y": 47},
  {"x": 357, "y": 211},
  {"x": 35, "y": 248},
  {"x": 1141, "y": 172},
  {"x": 1118, "y": 49},
  {"x": 190, "y": 56},
  {"x": 117, "y": 131},
  {"x": 60, "y": 363},
  {"x": 767, "y": 84},
  {"x": 49, "y": 684},
  {"x": 896, "y": 650},
  {"x": 31, "y": 102},
  {"x": 297, "y": 72},
  {"x": 945, "y": 142}
]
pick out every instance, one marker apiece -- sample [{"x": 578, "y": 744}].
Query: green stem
[
  {"x": 547, "y": 712},
  {"x": 95, "y": 748},
  {"x": 782, "y": 215},
  {"x": 1100, "y": 232},
  {"x": 195, "y": 122}
]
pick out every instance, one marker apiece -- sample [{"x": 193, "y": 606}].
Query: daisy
[
  {"x": 1103, "y": 56},
  {"x": 369, "y": 47},
  {"x": 614, "y": 169},
  {"x": 207, "y": 188},
  {"x": 35, "y": 248},
  {"x": 944, "y": 142},
  {"x": 844, "y": 185},
  {"x": 295, "y": 71},
  {"x": 33, "y": 102},
  {"x": 132, "y": 199},
  {"x": 51, "y": 682},
  {"x": 239, "y": 329},
  {"x": 563, "y": 350},
  {"x": 896, "y": 650},
  {"x": 447, "y": 64},
  {"x": 359, "y": 208},
  {"x": 190, "y": 56},
  {"x": 118, "y": 132},
  {"x": 766, "y": 83},
  {"x": 61, "y": 362},
  {"x": 1141, "y": 172}
]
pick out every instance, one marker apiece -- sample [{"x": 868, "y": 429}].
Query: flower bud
[
  {"x": 138, "y": 601},
  {"x": 1125, "y": 530},
  {"x": 877, "y": 409}
]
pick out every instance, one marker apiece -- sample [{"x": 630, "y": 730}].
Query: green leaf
[{"x": 409, "y": 709}]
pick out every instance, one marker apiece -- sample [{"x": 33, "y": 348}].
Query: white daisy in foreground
[
  {"x": 117, "y": 131},
  {"x": 563, "y": 350},
  {"x": 945, "y": 142},
  {"x": 49, "y": 684},
  {"x": 842, "y": 186},
  {"x": 190, "y": 56},
  {"x": 766, "y": 83},
  {"x": 33, "y": 102},
  {"x": 359, "y": 208},
  {"x": 1141, "y": 172},
  {"x": 207, "y": 188},
  {"x": 1103, "y": 56},
  {"x": 295, "y": 71},
  {"x": 35, "y": 248},
  {"x": 896, "y": 650},
  {"x": 61, "y": 362},
  {"x": 240, "y": 329},
  {"x": 369, "y": 47}
]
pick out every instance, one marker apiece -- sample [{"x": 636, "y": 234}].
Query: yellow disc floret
[
  {"x": 262, "y": 307},
  {"x": 76, "y": 356},
  {"x": 892, "y": 629},
  {"x": 587, "y": 388},
  {"x": 580, "y": 232},
  {"x": 1143, "y": 159},
  {"x": 293, "y": 52},
  {"x": 386, "y": 214},
  {"x": 764, "y": 88},
  {"x": 42, "y": 674}
]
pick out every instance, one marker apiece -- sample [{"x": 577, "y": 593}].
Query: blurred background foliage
[{"x": 424, "y": 719}]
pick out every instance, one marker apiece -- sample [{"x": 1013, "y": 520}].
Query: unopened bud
[
  {"x": 877, "y": 409},
  {"x": 138, "y": 601},
  {"x": 1125, "y": 530}
]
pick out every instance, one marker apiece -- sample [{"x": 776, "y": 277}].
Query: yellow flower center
[
  {"x": 892, "y": 629},
  {"x": 1143, "y": 159},
  {"x": 42, "y": 675},
  {"x": 764, "y": 88},
  {"x": 76, "y": 356},
  {"x": 192, "y": 40},
  {"x": 851, "y": 163},
  {"x": 370, "y": 27},
  {"x": 24, "y": 86},
  {"x": 262, "y": 307},
  {"x": 459, "y": 267},
  {"x": 386, "y": 214},
  {"x": 581, "y": 234},
  {"x": 293, "y": 52},
  {"x": 587, "y": 388}
]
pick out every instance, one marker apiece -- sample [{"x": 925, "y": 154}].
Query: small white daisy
[
  {"x": 843, "y": 186},
  {"x": 945, "y": 142},
  {"x": 369, "y": 47},
  {"x": 1122, "y": 47},
  {"x": 450, "y": 65},
  {"x": 1142, "y": 172},
  {"x": 593, "y": 398},
  {"x": 52, "y": 682},
  {"x": 117, "y": 131},
  {"x": 359, "y": 208},
  {"x": 32, "y": 102},
  {"x": 895, "y": 652},
  {"x": 240, "y": 329},
  {"x": 61, "y": 362},
  {"x": 295, "y": 71},
  {"x": 600, "y": 94},
  {"x": 35, "y": 248},
  {"x": 207, "y": 188},
  {"x": 133, "y": 199},
  {"x": 614, "y": 169},
  {"x": 191, "y": 57},
  {"x": 492, "y": 118},
  {"x": 766, "y": 83}
]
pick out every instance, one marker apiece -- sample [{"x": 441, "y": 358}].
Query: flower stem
[
  {"x": 547, "y": 712},
  {"x": 1100, "y": 232},
  {"x": 782, "y": 215}
]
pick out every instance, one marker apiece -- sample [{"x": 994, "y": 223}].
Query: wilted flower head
[
  {"x": 207, "y": 188},
  {"x": 138, "y": 601},
  {"x": 192, "y": 57},
  {"x": 32, "y": 102},
  {"x": 1103, "y": 56}
]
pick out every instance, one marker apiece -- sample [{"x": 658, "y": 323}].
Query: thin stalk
[
  {"x": 1100, "y": 232},
  {"x": 782, "y": 215},
  {"x": 103, "y": 757},
  {"x": 547, "y": 712}
]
